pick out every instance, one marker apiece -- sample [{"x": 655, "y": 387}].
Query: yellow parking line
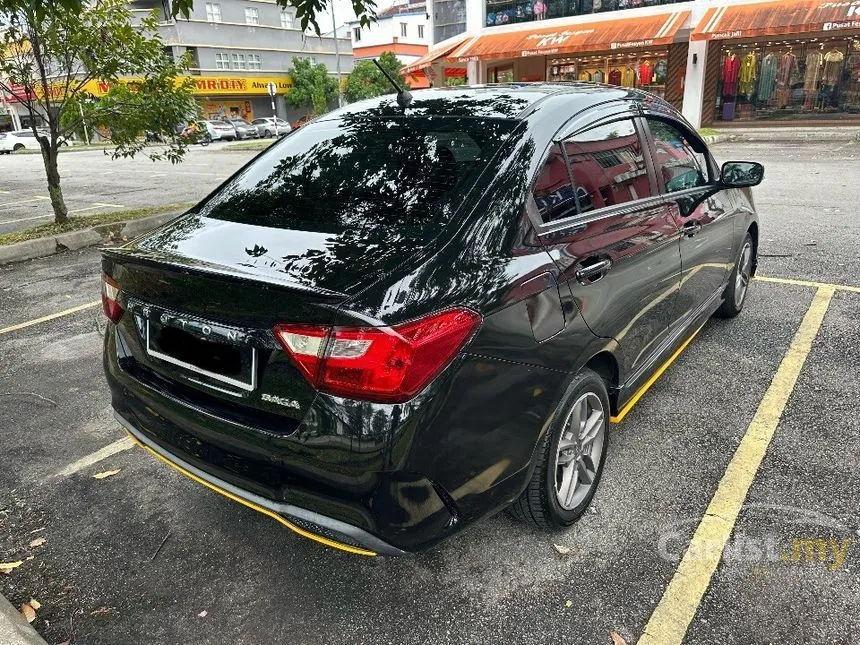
[
  {"x": 808, "y": 283},
  {"x": 670, "y": 620},
  {"x": 59, "y": 314}
]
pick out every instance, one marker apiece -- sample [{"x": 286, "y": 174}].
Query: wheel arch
[
  {"x": 752, "y": 229},
  {"x": 605, "y": 364}
]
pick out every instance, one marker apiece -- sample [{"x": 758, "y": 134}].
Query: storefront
[
  {"x": 782, "y": 61},
  {"x": 435, "y": 66},
  {"x": 631, "y": 51}
]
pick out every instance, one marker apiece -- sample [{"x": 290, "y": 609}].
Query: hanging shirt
[
  {"x": 615, "y": 77},
  {"x": 597, "y": 77},
  {"x": 786, "y": 67},
  {"x": 746, "y": 79},
  {"x": 661, "y": 72},
  {"x": 813, "y": 71},
  {"x": 832, "y": 73},
  {"x": 645, "y": 73},
  {"x": 731, "y": 71},
  {"x": 584, "y": 76},
  {"x": 628, "y": 77},
  {"x": 767, "y": 78}
]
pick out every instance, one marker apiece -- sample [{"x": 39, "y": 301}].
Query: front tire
[
  {"x": 736, "y": 291},
  {"x": 571, "y": 457}
]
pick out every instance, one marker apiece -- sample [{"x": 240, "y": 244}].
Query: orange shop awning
[
  {"x": 435, "y": 54},
  {"x": 776, "y": 19},
  {"x": 572, "y": 36}
]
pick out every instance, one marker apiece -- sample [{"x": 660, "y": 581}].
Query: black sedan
[{"x": 399, "y": 320}]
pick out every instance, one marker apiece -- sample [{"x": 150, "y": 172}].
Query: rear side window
[
  {"x": 607, "y": 166},
  {"x": 361, "y": 173},
  {"x": 553, "y": 192},
  {"x": 679, "y": 165}
]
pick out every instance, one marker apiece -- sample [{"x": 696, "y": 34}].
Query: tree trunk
[{"x": 49, "y": 156}]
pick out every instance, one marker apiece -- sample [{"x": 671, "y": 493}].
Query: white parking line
[
  {"x": 24, "y": 219},
  {"x": 24, "y": 201},
  {"x": 85, "y": 462}
]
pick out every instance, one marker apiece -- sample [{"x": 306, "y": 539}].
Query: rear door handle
[
  {"x": 592, "y": 272},
  {"x": 691, "y": 228}
]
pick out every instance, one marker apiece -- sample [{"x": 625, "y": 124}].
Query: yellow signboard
[{"x": 216, "y": 85}]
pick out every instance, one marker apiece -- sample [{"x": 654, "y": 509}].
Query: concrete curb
[
  {"x": 14, "y": 628},
  {"x": 787, "y": 135},
  {"x": 75, "y": 240}
]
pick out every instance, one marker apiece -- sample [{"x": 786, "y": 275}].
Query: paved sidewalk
[
  {"x": 14, "y": 629},
  {"x": 787, "y": 134}
]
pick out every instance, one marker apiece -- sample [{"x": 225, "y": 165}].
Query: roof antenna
[{"x": 404, "y": 97}]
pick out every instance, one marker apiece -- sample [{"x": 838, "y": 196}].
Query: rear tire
[
  {"x": 570, "y": 457},
  {"x": 736, "y": 291},
  {"x": 17, "y": 147}
]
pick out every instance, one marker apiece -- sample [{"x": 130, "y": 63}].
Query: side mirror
[{"x": 741, "y": 174}]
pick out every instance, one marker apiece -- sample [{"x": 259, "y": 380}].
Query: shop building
[
  {"x": 796, "y": 61},
  {"x": 238, "y": 46},
  {"x": 401, "y": 29},
  {"x": 719, "y": 62}
]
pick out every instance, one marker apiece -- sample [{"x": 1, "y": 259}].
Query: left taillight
[
  {"x": 110, "y": 298},
  {"x": 382, "y": 364}
]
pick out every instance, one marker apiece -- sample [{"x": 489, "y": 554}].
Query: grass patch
[
  {"x": 708, "y": 132},
  {"x": 259, "y": 144},
  {"x": 88, "y": 221}
]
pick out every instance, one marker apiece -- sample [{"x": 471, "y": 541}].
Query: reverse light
[
  {"x": 383, "y": 364},
  {"x": 110, "y": 298}
]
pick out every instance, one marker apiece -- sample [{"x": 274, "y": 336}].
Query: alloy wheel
[
  {"x": 742, "y": 279},
  {"x": 580, "y": 450}
]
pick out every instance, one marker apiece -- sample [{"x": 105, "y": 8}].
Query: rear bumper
[
  {"x": 331, "y": 532},
  {"x": 327, "y": 487}
]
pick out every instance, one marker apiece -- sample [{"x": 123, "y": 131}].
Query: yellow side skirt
[
  {"x": 257, "y": 507},
  {"x": 641, "y": 391}
]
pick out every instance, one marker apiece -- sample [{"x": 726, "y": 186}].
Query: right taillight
[
  {"x": 110, "y": 298},
  {"x": 384, "y": 364}
]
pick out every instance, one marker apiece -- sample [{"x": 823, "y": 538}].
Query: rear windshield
[{"x": 362, "y": 172}]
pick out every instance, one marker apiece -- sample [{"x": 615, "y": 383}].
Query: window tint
[
  {"x": 679, "y": 165},
  {"x": 552, "y": 190},
  {"x": 607, "y": 166},
  {"x": 363, "y": 173}
]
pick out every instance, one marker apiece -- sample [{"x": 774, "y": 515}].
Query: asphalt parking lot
[
  {"x": 745, "y": 456},
  {"x": 94, "y": 183}
]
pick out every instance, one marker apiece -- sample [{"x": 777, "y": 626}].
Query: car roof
[{"x": 500, "y": 101}]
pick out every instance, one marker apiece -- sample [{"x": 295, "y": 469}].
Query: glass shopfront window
[
  {"x": 449, "y": 19},
  {"x": 645, "y": 70},
  {"x": 503, "y": 12},
  {"x": 789, "y": 79}
]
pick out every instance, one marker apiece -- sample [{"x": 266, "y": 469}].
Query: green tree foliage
[
  {"x": 51, "y": 54},
  {"x": 313, "y": 88},
  {"x": 306, "y": 10},
  {"x": 366, "y": 81}
]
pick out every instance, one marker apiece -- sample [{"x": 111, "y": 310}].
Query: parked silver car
[
  {"x": 220, "y": 130},
  {"x": 244, "y": 130},
  {"x": 269, "y": 126}
]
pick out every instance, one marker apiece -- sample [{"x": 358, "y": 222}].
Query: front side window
[
  {"x": 679, "y": 165},
  {"x": 552, "y": 191},
  {"x": 213, "y": 12},
  {"x": 222, "y": 61},
  {"x": 252, "y": 17},
  {"x": 239, "y": 61},
  {"x": 607, "y": 166}
]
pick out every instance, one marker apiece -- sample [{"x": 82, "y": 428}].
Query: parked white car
[
  {"x": 219, "y": 130},
  {"x": 21, "y": 140},
  {"x": 269, "y": 126}
]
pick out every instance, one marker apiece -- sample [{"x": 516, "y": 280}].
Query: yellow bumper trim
[
  {"x": 618, "y": 418},
  {"x": 260, "y": 509}
]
